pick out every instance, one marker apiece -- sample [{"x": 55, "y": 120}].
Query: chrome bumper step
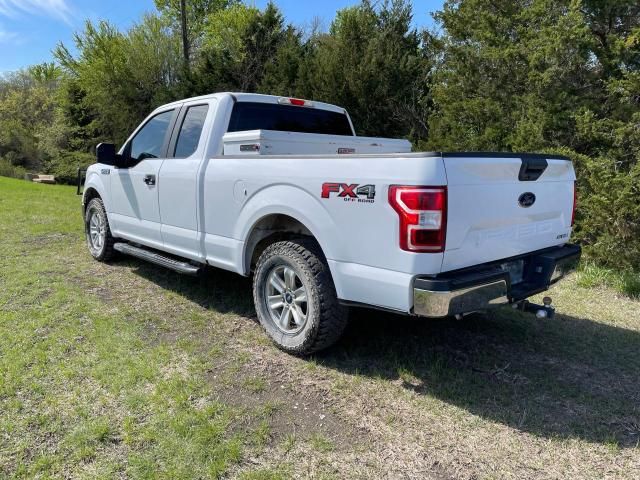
[
  {"x": 491, "y": 285},
  {"x": 442, "y": 304}
]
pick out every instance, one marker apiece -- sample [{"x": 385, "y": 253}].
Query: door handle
[
  {"x": 531, "y": 169},
  {"x": 150, "y": 180}
]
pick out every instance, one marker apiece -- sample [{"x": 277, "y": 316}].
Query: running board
[{"x": 175, "y": 265}]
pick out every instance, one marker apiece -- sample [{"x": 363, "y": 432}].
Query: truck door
[
  {"x": 134, "y": 190},
  {"x": 179, "y": 188}
]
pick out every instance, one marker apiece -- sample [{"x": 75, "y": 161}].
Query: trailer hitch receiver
[{"x": 546, "y": 310}]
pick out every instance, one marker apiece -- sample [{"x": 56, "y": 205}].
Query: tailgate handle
[{"x": 531, "y": 169}]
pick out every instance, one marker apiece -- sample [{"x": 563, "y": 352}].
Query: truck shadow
[
  {"x": 562, "y": 378},
  {"x": 215, "y": 289}
]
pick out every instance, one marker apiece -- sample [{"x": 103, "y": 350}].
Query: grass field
[{"x": 130, "y": 371}]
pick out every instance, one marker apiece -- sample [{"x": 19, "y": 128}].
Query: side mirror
[{"x": 106, "y": 154}]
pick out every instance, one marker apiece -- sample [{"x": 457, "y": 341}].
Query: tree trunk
[{"x": 185, "y": 34}]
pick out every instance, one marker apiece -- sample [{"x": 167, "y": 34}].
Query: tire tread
[
  {"x": 333, "y": 316},
  {"x": 108, "y": 253}
]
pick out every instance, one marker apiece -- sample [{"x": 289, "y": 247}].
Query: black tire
[
  {"x": 105, "y": 251},
  {"x": 325, "y": 317}
]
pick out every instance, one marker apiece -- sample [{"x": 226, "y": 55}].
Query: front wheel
[
  {"x": 295, "y": 298},
  {"x": 99, "y": 239}
]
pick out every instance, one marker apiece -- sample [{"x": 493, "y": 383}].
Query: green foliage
[
  {"x": 27, "y": 108},
  {"x": 608, "y": 217},
  {"x": 550, "y": 75},
  {"x": 65, "y": 165},
  {"x": 45, "y": 73},
  {"x": 626, "y": 282},
  {"x": 197, "y": 13},
  {"x": 7, "y": 169},
  {"x": 238, "y": 45},
  {"x": 510, "y": 74},
  {"x": 119, "y": 78},
  {"x": 371, "y": 63}
]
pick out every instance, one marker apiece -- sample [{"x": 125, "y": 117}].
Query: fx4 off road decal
[{"x": 349, "y": 192}]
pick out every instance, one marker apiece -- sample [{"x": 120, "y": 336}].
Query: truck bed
[{"x": 485, "y": 221}]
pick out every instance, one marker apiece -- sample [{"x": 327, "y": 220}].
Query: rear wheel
[
  {"x": 99, "y": 239},
  {"x": 295, "y": 298}
]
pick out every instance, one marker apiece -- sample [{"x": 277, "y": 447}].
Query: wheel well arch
[
  {"x": 89, "y": 194},
  {"x": 269, "y": 229}
]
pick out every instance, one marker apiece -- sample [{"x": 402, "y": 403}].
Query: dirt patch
[
  {"x": 46, "y": 239},
  {"x": 104, "y": 294},
  {"x": 294, "y": 410}
]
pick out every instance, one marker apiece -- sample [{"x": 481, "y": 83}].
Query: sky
[{"x": 30, "y": 29}]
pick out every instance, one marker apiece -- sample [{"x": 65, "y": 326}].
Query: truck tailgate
[{"x": 498, "y": 206}]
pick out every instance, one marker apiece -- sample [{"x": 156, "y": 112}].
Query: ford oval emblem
[{"x": 527, "y": 199}]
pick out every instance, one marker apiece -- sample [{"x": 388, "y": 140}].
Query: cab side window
[
  {"x": 191, "y": 130},
  {"x": 149, "y": 140}
]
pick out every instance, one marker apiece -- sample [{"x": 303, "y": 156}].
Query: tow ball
[{"x": 546, "y": 310}]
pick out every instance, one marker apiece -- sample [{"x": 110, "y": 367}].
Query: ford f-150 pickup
[{"x": 282, "y": 189}]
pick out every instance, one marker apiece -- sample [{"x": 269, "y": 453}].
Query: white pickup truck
[{"x": 281, "y": 188}]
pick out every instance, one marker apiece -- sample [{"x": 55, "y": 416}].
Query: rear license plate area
[{"x": 515, "y": 269}]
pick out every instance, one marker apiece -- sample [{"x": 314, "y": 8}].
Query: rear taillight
[
  {"x": 423, "y": 217},
  {"x": 575, "y": 203}
]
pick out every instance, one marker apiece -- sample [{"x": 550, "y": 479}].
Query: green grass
[
  {"x": 322, "y": 444},
  {"x": 626, "y": 282},
  {"x": 85, "y": 388},
  {"x": 126, "y": 370},
  {"x": 255, "y": 384}
]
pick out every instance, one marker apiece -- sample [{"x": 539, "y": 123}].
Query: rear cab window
[
  {"x": 287, "y": 118},
  {"x": 191, "y": 130}
]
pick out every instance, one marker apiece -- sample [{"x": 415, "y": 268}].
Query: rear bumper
[{"x": 489, "y": 285}]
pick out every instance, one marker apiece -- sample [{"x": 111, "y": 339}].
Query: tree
[
  {"x": 27, "y": 109},
  {"x": 240, "y": 45},
  {"x": 122, "y": 77},
  {"x": 196, "y": 13},
  {"x": 550, "y": 75},
  {"x": 47, "y": 73},
  {"x": 371, "y": 63},
  {"x": 509, "y": 75}
]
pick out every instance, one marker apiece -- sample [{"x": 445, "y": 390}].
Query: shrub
[
  {"x": 65, "y": 166},
  {"x": 7, "y": 169},
  {"x": 626, "y": 282},
  {"x": 629, "y": 284},
  {"x": 608, "y": 215}
]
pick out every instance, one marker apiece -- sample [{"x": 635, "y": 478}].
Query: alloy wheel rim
[
  {"x": 286, "y": 299},
  {"x": 96, "y": 231}
]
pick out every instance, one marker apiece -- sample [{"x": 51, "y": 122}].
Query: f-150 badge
[{"x": 350, "y": 192}]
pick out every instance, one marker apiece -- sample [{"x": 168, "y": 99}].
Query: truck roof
[{"x": 256, "y": 97}]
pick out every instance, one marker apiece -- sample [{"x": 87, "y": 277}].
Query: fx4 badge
[{"x": 350, "y": 192}]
